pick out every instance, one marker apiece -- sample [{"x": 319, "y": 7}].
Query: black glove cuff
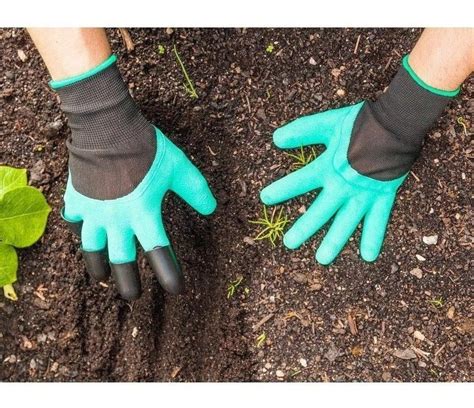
[
  {"x": 101, "y": 113},
  {"x": 407, "y": 109}
]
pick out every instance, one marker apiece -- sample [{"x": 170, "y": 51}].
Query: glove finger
[
  {"x": 312, "y": 220},
  {"x": 294, "y": 184},
  {"x": 192, "y": 187},
  {"x": 344, "y": 224},
  {"x": 97, "y": 264},
  {"x": 152, "y": 237},
  {"x": 127, "y": 279},
  {"x": 307, "y": 130},
  {"x": 93, "y": 248},
  {"x": 375, "y": 225},
  {"x": 166, "y": 268},
  {"x": 121, "y": 245},
  {"x": 74, "y": 226},
  {"x": 122, "y": 255}
]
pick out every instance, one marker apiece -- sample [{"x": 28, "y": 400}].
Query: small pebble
[
  {"x": 417, "y": 272},
  {"x": 340, "y": 92},
  {"x": 430, "y": 240},
  {"x": 303, "y": 362},
  {"x": 280, "y": 374},
  {"x": 420, "y": 258},
  {"x": 312, "y": 61}
]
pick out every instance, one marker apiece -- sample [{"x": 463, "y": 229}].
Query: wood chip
[
  {"x": 450, "y": 313},
  {"x": 22, "y": 55},
  {"x": 175, "y": 371},
  {"x": 417, "y": 272},
  {"x": 127, "y": 39},
  {"x": 352, "y": 324},
  {"x": 407, "y": 354}
]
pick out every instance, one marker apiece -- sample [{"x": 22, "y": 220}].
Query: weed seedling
[
  {"x": 270, "y": 48},
  {"x": 161, "y": 49},
  {"x": 273, "y": 225},
  {"x": 462, "y": 122},
  {"x": 437, "y": 302},
  {"x": 302, "y": 158},
  {"x": 261, "y": 340},
  {"x": 188, "y": 85},
  {"x": 232, "y": 287}
]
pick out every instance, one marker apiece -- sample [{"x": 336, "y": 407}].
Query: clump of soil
[{"x": 352, "y": 321}]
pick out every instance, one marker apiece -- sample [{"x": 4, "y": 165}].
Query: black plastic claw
[
  {"x": 165, "y": 266},
  {"x": 75, "y": 227},
  {"x": 97, "y": 264},
  {"x": 127, "y": 279}
]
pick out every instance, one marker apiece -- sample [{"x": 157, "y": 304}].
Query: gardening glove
[
  {"x": 120, "y": 168},
  {"x": 370, "y": 148}
]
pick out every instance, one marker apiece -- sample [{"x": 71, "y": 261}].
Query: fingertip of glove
[
  {"x": 279, "y": 137},
  {"x": 209, "y": 207},
  {"x": 265, "y": 197},
  {"x": 369, "y": 256},
  {"x": 324, "y": 257},
  {"x": 290, "y": 242}
]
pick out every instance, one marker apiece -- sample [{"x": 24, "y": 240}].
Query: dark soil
[{"x": 337, "y": 323}]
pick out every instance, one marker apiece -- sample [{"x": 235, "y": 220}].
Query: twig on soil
[
  {"x": 188, "y": 85},
  {"x": 262, "y": 322},
  {"x": 248, "y": 104},
  {"x": 420, "y": 352},
  {"x": 387, "y": 64},
  {"x": 357, "y": 44},
  {"x": 415, "y": 176},
  {"x": 127, "y": 39},
  {"x": 210, "y": 150},
  {"x": 439, "y": 350}
]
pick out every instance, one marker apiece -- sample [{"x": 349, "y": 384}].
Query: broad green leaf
[
  {"x": 23, "y": 215},
  {"x": 11, "y": 178},
  {"x": 8, "y": 264},
  {"x": 9, "y": 292}
]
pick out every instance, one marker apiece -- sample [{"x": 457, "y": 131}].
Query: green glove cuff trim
[
  {"x": 342, "y": 165},
  {"x": 72, "y": 80},
  {"x": 423, "y": 84}
]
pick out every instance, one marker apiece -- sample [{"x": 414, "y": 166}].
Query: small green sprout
[
  {"x": 161, "y": 49},
  {"x": 273, "y": 225},
  {"x": 270, "y": 48},
  {"x": 261, "y": 339},
  {"x": 233, "y": 287},
  {"x": 302, "y": 158},
  {"x": 461, "y": 121},
  {"x": 188, "y": 85},
  {"x": 437, "y": 302},
  {"x": 295, "y": 372},
  {"x": 247, "y": 291}
]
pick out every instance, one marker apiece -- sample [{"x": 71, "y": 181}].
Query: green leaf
[
  {"x": 8, "y": 264},
  {"x": 23, "y": 215},
  {"x": 11, "y": 178}
]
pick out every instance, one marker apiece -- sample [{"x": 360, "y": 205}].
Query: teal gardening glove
[
  {"x": 120, "y": 168},
  {"x": 370, "y": 148}
]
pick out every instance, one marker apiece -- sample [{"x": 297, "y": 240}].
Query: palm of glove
[
  {"x": 345, "y": 194},
  {"x": 117, "y": 224}
]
